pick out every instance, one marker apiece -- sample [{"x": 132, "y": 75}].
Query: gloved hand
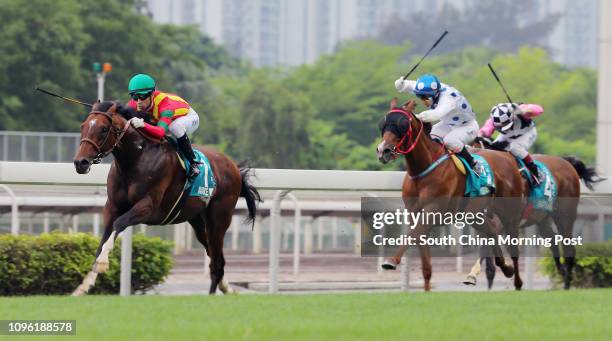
[
  {"x": 424, "y": 116},
  {"x": 137, "y": 122},
  {"x": 401, "y": 84}
]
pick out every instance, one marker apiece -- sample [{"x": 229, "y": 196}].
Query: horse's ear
[
  {"x": 113, "y": 108},
  {"x": 393, "y": 103}
]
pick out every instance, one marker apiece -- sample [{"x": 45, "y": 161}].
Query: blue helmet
[{"x": 427, "y": 85}]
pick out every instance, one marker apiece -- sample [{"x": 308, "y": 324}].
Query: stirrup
[
  {"x": 536, "y": 178},
  {"x": 193, "y": 173}
]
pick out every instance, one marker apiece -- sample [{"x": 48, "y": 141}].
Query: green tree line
[{"x": 321, "y": 116}]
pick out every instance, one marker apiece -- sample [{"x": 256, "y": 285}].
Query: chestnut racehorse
[
  {"x": 145, "y": 185},
  {"x": 404, "y": 134},
  {"x": 567, "y": 172}
]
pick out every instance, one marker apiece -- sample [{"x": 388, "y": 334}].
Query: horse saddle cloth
[
  {"x": 542, "y": 195},
  {"x": 477, "y": 185},
  {"x": 204, "y": 184}
]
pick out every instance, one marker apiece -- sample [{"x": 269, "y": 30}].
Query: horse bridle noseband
[{"x": 119, "y": 133}]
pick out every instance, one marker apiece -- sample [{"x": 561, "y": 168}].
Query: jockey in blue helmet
[{"x": 458, "y": 126}]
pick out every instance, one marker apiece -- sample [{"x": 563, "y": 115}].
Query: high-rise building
[{"x": 294, "y": 32}]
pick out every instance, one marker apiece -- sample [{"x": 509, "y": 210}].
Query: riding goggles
[{"x": 140, "y": 96}]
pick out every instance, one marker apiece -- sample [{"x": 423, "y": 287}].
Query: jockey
[
  {"x": 171, "y": 114},
  {"x": 517, "y": 130},
  {"x": 457, "y": 126}
]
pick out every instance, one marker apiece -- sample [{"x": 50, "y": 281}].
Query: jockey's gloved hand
[
  {"x": 137, "y": 122},
  {"x": 401, "y": 84},
  {"x": 424, "y": 116}
]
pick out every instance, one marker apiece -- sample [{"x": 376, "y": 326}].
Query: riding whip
[
  {"x": 62, "y": 97},
  {"x": 499, "y": 82},
  {"x": 434, "y": 45}
]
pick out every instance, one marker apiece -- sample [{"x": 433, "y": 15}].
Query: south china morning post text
[
  {"x": 387, "y": 224},
  {"x": 458, "y": 220}
]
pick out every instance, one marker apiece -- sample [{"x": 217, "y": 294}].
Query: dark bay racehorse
[
  {"x": 145, "y": 185},
  {"x": 567, "y": 171},
  {"x": 404, "y": 134}
]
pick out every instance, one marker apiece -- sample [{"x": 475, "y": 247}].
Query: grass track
[{"x": 553, "y": 315}]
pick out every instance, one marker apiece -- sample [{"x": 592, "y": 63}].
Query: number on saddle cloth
[{"x": 541, "y": 195}]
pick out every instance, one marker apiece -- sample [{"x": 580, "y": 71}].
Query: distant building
[{"x": 295, "y": 32}]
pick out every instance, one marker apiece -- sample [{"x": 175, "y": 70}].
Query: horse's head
[
  {"x": 100, "y": 133},
  {"x": 400, "y": 130}
]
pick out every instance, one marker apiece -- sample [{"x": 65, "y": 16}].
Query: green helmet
[{"x": 141, "y": 84}]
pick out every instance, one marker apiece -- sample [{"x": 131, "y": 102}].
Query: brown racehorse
[
  {"x": 567, "y": 171},
  {"x": 403, "y": 133},
  {"x": 146, "y": 182}
]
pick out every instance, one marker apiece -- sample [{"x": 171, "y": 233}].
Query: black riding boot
[
  {"x": 470, "y": 160},
  {"x": 185, "y": 146},
  {"x": 534, "y": 170}
]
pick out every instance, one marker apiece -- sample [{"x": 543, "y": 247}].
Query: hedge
[
  {"x": 593, "y": 266},
  {"x": 56, "y": 263}
]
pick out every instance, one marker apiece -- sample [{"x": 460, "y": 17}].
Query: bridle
[
  {"x": 118, "y": 133},
  {"x": 412, "y": 139}
]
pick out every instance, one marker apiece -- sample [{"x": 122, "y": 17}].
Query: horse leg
[
  {"x": 545, "y": 230},
  {"x": 199, "y": 229},
  {"x": 490, "y": 271},
  {"x": 514, "y": 254},
  {"x": 218, "y": 219},
  {"x": 565, "y": 226},
  {"x": 492, "y": 228},
  {"x": 107, "y": 241},
  {"x": 426, "y": 266},
  {"x": 474, "y": 272}
]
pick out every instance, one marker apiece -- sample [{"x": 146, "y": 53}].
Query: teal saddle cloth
[
  {"x": 204, "y": 184},
  {"x": 542, "y": 195},
  {"x": 476, "y": 186}
]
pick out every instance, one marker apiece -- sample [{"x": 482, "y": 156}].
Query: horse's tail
[
  {"x": 588, "y": 174},
  {"x": 249, "y": 193}
]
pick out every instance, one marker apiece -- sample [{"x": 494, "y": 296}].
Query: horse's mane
[{"x": 126, "y": 111}]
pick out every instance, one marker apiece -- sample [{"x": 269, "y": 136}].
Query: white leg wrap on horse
[
  {"x": 101, "y": 264},
  {"x": 88, "y": 282},
  {"x": 225, "y": 287},
  {"x": 474, "y": 272}
]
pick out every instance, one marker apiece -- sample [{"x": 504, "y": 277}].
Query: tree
[
  {"x": 54, "y": 43},
  {"x": 41, "y": 43},
  {"x": 274, "y": 125}
]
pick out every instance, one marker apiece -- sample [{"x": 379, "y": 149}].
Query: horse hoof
[
  {"x": 389, "y": 265},
  {"x": 100, "y": 267},
  {"x": 225, "y": 288},
  {"x": 508, "y": 271},
  {"x": 470, "y": 280}
]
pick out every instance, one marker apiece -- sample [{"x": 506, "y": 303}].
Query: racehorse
[
  {"x": 438, "y": 188},
  {"x": 146, "y": 183},
  {"x": 567, "y": 172}
]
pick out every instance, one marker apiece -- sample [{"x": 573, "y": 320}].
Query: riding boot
[
  {"x": 470, "y": 160},
  {"x": 534, "y": 170},
  {"x": 185, "y": 146}
]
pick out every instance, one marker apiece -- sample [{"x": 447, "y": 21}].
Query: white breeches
[
  {"x": 185, "y": 125},
  {"x": 519, "y": 147},
  {"x": 455, "y": 138}
]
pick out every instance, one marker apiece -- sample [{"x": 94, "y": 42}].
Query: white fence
[{"x": 281, "y": 180}]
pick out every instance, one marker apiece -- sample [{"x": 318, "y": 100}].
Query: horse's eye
[{"x": 104, "y": 129}]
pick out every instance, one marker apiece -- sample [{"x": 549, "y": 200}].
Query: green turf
[{"x": 554, "y": 315}]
